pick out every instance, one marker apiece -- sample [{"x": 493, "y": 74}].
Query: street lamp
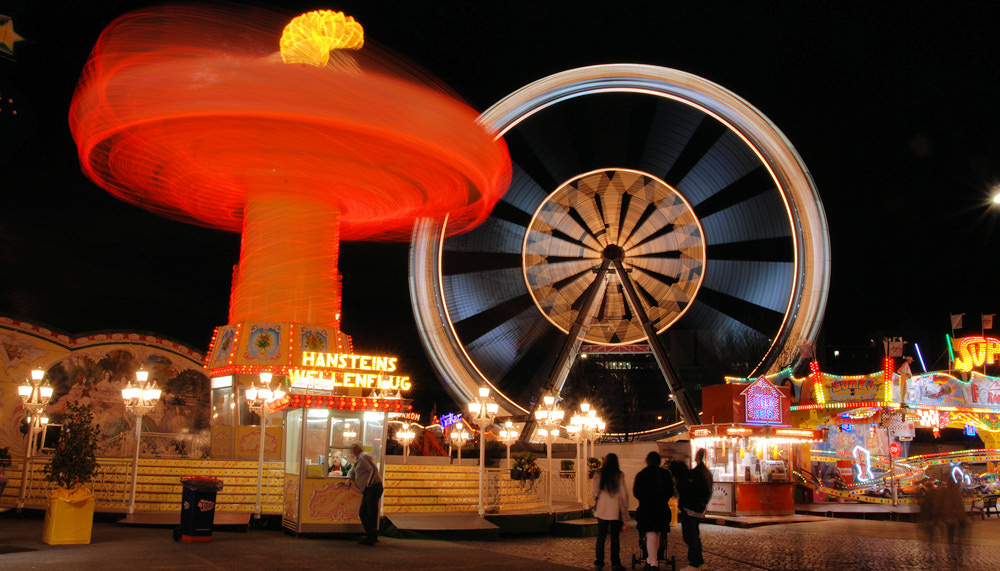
[
  {"x": 549, "y": 417},
  {"x": 508, "y": 436},
  {"x": 139, "y": 400},
  {"x": 257, "y": 401},
  {"x": 482, "y": 411},
  {"x": 405, "y": 437},
  {"x": 575, "y": 432},
  {"x": 35, "y": 396},
  {"x": 458, "y": 438}
]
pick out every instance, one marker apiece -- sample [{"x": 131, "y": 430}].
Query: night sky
[{"x": 890, "y": 105}]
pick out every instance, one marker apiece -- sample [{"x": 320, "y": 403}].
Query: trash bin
[{"x": 197, "y": 509}]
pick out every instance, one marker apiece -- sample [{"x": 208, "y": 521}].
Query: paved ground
[{"x": 832, "y": 544}]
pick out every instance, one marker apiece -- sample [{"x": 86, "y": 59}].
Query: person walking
[
  {"x": 365, "y": 476},
  {"x": 653, "y": 487},
  {"x": 694, "y": 486},
  {"x": 610, "y": 499}
]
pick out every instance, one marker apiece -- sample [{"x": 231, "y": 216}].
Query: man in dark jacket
[
  {"x": 694, "y": 487},
  {"x": 653, "y": 487}
]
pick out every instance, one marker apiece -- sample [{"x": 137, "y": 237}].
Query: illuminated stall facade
[
  {"x": 751, "y": 447},
  {"x": 332, "y": 399},
  {"x": 870, "y": 420}
]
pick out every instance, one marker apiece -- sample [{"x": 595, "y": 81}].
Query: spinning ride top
[{"x": 187, "y": 112}]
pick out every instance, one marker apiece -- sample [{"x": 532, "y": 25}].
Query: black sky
[{"x": 890, "y": 104}]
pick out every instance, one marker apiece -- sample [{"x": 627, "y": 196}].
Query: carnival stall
[
  {"x": 327, "y": 399},
  {"x": 750, "y": 447}
]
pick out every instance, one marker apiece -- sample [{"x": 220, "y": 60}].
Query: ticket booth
[
  {"x": 330, "y": 398},
  {"x": 319, "y": 430},
  {"x": 750, "y": 447},
  {"x": 324, "y": 415}
]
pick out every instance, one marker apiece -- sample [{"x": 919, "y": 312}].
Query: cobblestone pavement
[{"x": 834, "y": 544}]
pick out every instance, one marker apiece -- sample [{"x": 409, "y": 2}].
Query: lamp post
[
  {"x": 257, "y": 401},
  {"x": 458, "y": 438},
  {"x": 482, "y": 411},
  {"x": 35, "y": 396},
  {"x": 508, "y": 436},
  {"x": 405, "y": 437},
  {"x": 575, "y": 432},
  {"x": 591, "y": 426},
  {"x": 139, "y": 399},
  {"x": 549, "y": 417}
]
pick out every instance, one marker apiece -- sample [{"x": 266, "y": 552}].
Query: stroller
[{"x": 640, "y": 558}]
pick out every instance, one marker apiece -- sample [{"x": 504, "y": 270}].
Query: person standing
[
  {"x": 694, "y": 485},
  {"x": 904, "y": 377},
  {"x": 610, "y": 500},
  {"x": 653, "y": 487},
  {"x": 366, "y": 477}
]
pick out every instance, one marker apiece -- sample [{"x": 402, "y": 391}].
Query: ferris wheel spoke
[
  {"x": 667, "y": 255},
  {"x": 462, "y": 262},
  {"x": 756, "y": 182},
  {"x": 667, "y": 229},
  {"x": 761, "y": 319},
  {"x": 781, "y": 249},
  {"x": 526, "y": 375},
  {"x": 709, "y": 131},
  {"x": 510, "y": 213},
  {"x": 475, "y": 326},
  {"x": 530, "y": 163},
  {"x": 575, "y": 215},
  {"x": 639, "y": 223}
]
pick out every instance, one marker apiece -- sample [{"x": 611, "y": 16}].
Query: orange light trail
[{"x": 190, "y": 113}]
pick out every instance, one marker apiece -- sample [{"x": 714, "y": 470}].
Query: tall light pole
[
  {"x": 482, "y": 411},
  {"x": 35, "y": 396},
  {"x": 590, "y": 426},
  {"x": 405, "y": 437},
  {"x": 549, "y": 417},
  {"x": 257, "y": 401},
  {"x": 508, "y": 436},
  {"x": 139, "y": 399},
  {"x": 575, "y": 432},
  {"x": 459, "y": 436}
]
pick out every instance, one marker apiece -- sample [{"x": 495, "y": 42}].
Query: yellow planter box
[{"x": 69, "y": 517}]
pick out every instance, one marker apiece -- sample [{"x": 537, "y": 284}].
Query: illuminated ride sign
[
  {"x": 763, "y": 402},
  {"x": 853, "y": 389},
  {"x": 976, "y": 351},
  {"x": 329, "y": 371}
]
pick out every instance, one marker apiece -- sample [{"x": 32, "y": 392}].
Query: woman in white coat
[{"x": 610, "y": 497}]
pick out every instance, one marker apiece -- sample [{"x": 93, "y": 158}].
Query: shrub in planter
[
  {"x": 70, "y": 513},
  {"x": 593, "y": 465},
  {"x": 524, "y": 467},
  {"x": 74, "y": 460}
]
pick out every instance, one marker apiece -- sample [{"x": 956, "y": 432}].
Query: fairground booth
[
  {"x": 325, "y": 402},
  {"x": 871, "y": 421},
  {"x": 750, "y": 447}
]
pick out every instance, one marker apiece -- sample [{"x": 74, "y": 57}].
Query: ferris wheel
[{"x": 644, "y": 202}]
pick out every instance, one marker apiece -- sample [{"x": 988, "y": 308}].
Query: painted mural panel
[{"x": 93, "y": 370}]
